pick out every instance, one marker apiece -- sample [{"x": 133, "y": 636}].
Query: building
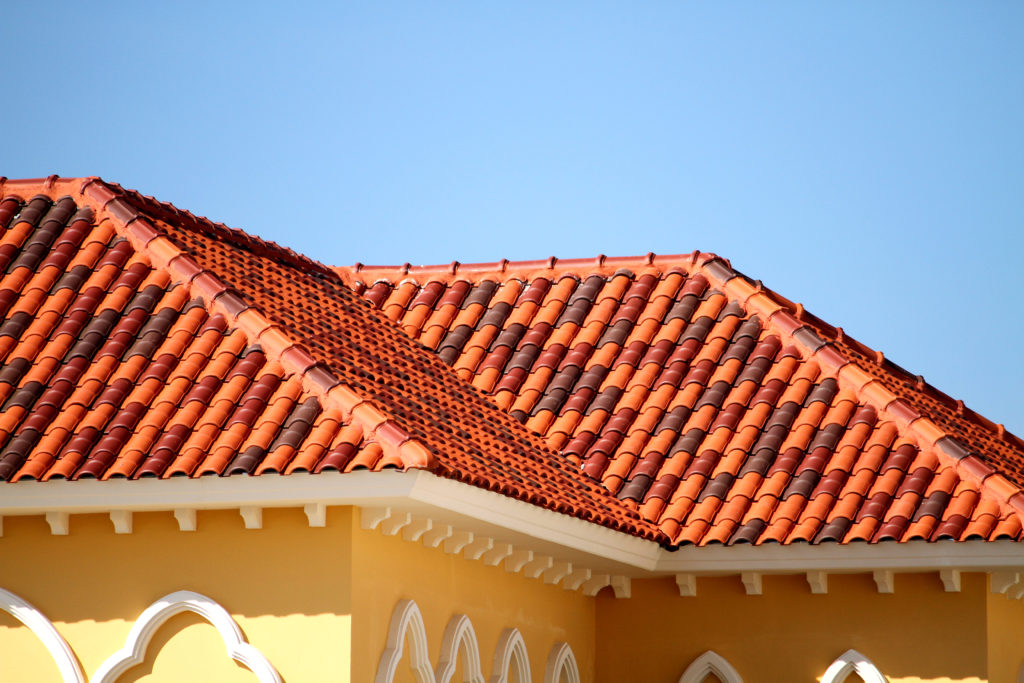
[{"x": 224, "y": 460}]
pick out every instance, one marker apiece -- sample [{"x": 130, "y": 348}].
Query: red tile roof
[
  {"x": 724, "y": 412},
  {"x": 137, "y": 340},
  {"x": 140, "y": 341}
]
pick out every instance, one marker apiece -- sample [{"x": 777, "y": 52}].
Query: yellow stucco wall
[
  {"x": 388, "y": 569},
  {"x": 22, "y": 652},
  {"x": 1005, "y": 638},
  {"x": 318, "y": 603},
  {"x": 919, "y": 633},
  {"x": 287, "y": 586},
  {"x": 296, "y": 592}
]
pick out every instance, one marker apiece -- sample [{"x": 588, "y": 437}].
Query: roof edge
[
  {"x": 916, "y": 555},
  {"x": 413, "y": 493},
  {"x": 420, "y": 493}
]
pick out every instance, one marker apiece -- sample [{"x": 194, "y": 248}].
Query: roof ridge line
[
  {"x": 754, "y": 299},
  {"x": 147, "y": 239},
  {"x": 223, "y": 231},
  {"x": 506, "y": 269}
]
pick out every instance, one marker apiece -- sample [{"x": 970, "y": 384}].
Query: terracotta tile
[
  {"x": 597, "y": 361},
  {"x": 1007, "y": 528}
]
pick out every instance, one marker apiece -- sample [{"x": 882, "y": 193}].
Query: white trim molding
[
  {"x": 405, "y": 619},
  {"x": 850, "y": 662},
  {"x": 47, "y": 633},
  {"x": 710, "y": 663},
  {"x": 835, "y": 558},
  {"x": 459, "y": 637},
  {"x": 435, "y": 510},
  {"x": 419, "y": 506},
  {"x": 154, "y": 616},
  {"x": 392, "y": 494},
  {"x": 561, "y": 665},
  {"x": 511, "y": 647}
]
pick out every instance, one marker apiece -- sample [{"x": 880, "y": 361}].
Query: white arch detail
[
  {"x": 511, "y": 646},
  {"x": 459, "y": 636},
  {"x": 710, "y": 663},
  {"x": 850, "y": 662},
  {"x": 154, "y": 616},
  {"x": 406, "y": 618},
  {"x": 561, "y": 661},
  {"x": 47, "y": 633}
]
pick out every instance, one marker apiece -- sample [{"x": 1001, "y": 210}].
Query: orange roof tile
[
  {"x": 666, "y": 396},
  {"x": 137, "y": 340},
  {"x": 726, "y": 412}
]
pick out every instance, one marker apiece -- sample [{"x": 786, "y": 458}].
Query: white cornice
[
  {"x": 421, "y": 496},
  {"x": 415, "y": 491},
  {"x": 852, "y": 557}
]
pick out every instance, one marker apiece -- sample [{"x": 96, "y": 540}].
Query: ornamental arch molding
[
  {"x": 46, "y": 632},
  {"x": 157, "y": 614},
  {"x": 511, "y": 649},
  {"x": 850, "y": 662},
  {"x": 710, "y": 663},
  {"x": 561, "y": 665},
  {"x": 406, "y": 619},
  {"x": 459, "y": 639}
]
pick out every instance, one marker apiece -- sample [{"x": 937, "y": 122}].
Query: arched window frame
[
  {"x": 459, "y": 637},
  {"x": 406, "y": 619},
  {"x": 46, "y": 632},
  {"x": 710, "y": 663},
  {"x": 157, "y": 614},
  {"x": 850, "y": 662},
  {"x": 561, "y": 661},
  {"x": 511, "y": 646}
]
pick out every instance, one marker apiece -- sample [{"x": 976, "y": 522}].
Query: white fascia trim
[
  {"x": 364, "y": 489},
  {"x": 431, "y": 494},
  {"x": 853, "y": 557}
]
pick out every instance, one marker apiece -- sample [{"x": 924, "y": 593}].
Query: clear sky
[{"x": 866, "y": 159}]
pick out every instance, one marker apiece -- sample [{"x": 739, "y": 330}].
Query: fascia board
[
  {"x": 206, "y": 493},
  {"x": 425, "y": 493},
  {"x": 418, "y": 490},
  {"x": 853, "y": 557}
]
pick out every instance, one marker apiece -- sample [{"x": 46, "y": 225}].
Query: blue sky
[{"x": 865, "y": 159}]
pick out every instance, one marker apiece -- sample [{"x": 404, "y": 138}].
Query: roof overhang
[
  {"x": 852, "y": 557},
  {"x": 417, "y": 499},
  {"x": 390, "y": 495}
]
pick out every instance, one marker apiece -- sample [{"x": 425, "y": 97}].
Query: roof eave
[
  {"x": 402, "y": 498},
  {"x": 393, "y": 494}
]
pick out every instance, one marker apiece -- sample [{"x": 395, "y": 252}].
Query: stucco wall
[
  {"x": 1005, "y": 638},
  {"x": 919, "y": 633},
  {"x": 318, "y": 603},
  {"x": 388, "y": 569},
  {"x": 286, "y": 585}
]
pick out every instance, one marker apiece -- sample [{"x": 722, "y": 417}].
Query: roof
[
  {"x": 722, "y": 411},
  {"x": 667, "y": 397},
  {"x": 141, "y": 341}
]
